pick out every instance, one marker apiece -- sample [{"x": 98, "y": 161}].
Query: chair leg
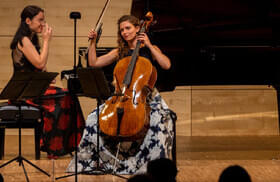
[
  {"x": 37, "y": 142},
  {"x": 174, "y": 119},
  {"x": 2, "y": 142},
  {"x": 174, "y": 157}
]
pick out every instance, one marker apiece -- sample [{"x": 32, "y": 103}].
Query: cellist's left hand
[{"x": 144, "y": 39}]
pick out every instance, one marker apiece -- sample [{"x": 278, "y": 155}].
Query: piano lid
[
  {"x": 217, "y": 41},
  {"x": 216, "y": 21}
]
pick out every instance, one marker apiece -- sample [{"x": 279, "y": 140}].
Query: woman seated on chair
[
  {"x": 127, "y": 157},
  {"x": 58, "y": 129}
]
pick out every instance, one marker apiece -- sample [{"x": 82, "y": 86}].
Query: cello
[{"x": 125, "y": 115}]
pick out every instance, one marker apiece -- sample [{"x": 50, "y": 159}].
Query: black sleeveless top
[
  {"x": 144, "y": 52},
  {"x": 21, "y": 63}
]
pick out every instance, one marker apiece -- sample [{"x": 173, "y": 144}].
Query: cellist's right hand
[{"x": 92, "y": 35}]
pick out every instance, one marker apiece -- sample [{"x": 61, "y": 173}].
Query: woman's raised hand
[
  {"x": 92, "y": 35},
  {"x": 144, "y": 39},
  {"x": 47, "y": 32}
]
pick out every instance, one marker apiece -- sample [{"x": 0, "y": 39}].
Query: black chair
[
  {"x": 31, "y": 118},
  {"x": 173, "y": 116}
]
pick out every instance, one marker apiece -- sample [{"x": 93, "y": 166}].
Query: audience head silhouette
[
  {"x": 234, "y": 173},
  {"x": 141, "y": 178},
  {"x": 1, "y": 178},
  {"x": 162, "y": 170}
]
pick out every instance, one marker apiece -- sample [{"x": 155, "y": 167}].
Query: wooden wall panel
[
  {"x": 10, "y": 16},
  {"x": 179, "y": 101},
  {"x": 224, "y": 110},
  {"x": 240, "y": 110},
  {"x": 6, "y": 66},
  {"x": 90, "y": 11},
  {"x": 87, "y": 105},
  {"x": 57, "y": 15}
]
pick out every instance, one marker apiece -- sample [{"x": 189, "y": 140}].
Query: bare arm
[
  {"x": 103, "y": 60},
  {"x": 30, "y": 52},
  {"x": 161, "y": 58}
]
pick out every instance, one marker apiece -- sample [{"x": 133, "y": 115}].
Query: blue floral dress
[{"x": 132, "y": 157}]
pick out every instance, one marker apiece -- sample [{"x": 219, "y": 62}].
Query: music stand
[
  {"x": 94, "y": 85},
  {"x": 22, "y": 86}
]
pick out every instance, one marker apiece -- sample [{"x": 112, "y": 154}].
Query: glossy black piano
[{"x": 218, "y": 42}]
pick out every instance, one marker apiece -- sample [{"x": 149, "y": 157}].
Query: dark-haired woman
[
  {"x": 28, "y": 56},
  {"x": 128, "y": 157}
]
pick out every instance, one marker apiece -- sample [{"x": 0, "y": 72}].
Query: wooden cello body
[{"x": 126, "y": 115}]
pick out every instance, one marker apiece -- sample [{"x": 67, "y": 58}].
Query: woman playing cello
[{"x": 157, "y": 143}]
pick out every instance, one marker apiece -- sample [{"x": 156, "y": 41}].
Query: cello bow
[{"x": 98, "y": 26}]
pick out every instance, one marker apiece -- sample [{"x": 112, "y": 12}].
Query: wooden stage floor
[{"x": 199, "y": 159}]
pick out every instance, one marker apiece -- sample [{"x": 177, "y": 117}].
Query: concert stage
[{"x": 199, "y": 159}]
